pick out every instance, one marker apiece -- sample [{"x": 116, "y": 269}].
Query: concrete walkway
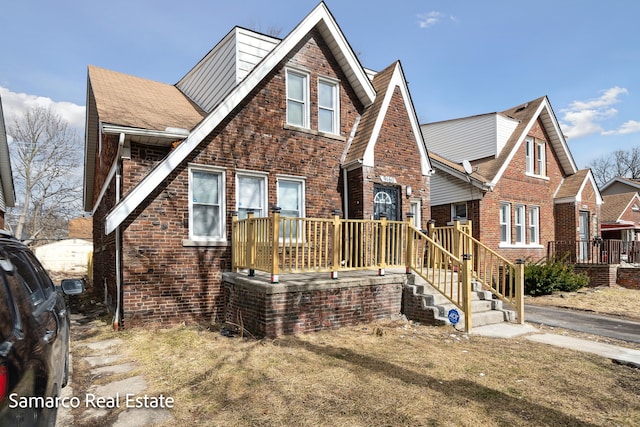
[{"x": 114, "y": 390}]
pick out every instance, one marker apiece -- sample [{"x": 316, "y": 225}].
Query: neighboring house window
[
  {"x": 505, "y": 223},
  {"x": 535, "y": 157},
  {"x": 541, "y": 159},
  {"x": 297, "y": 98},
  {"x": 328, "y": 111},
  {"x": 530, "y": 163},
  {"x": 459, "y": 210},
  {"x": 291, "y": 203},
  {"x": 251, "y": 194},
  {"x": 534, "y": 225},
  {"x": 414, "y": 208},
  {"x": 206, "y": 204},
  {"x": 520, "y": 225}
]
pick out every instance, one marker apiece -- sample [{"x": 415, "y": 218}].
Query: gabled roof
[
  {"x": 361, "y": 149},
  {"x": 457, "y": 170},
  {"x": 572, "y": 187},
  {"x": 632, "y": 183},
  {"x": 140, "y": 103},
  {"x": 615, "y": 205},
  {"x": 7, "y": 190},
  {"x": 492, "y": 168},
  {"x": 319, "y": 17}
]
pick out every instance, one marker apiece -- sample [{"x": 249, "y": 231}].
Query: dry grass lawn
[
  {"x": 391, "y": 373},
  {"x": 613, "y": 300}
]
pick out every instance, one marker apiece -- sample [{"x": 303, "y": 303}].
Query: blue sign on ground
[{"x": 454, "y": 316}]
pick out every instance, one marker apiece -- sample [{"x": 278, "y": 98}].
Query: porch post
[
  {"x": 457, "y": 238},
  {"x": 520, "y": 290},
  {"x": 337, "y": 240},
  {"x": 275, "y": 243},
  {"x": 410, "y": 243},
  {"x": 466, "y": 291},
  {"x": 382, "y": 256},
  {"x": 235, "y": 241},
  {"x": 431, "y": 231},
  {"x": 251, "y": 243}
]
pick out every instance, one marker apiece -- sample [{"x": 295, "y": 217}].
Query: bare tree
[
  {"x": 619, "y": 163},
  {"x": 46, "y": 157}
]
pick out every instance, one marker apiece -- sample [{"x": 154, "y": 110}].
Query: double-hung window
[
  {"x": 520, "y": 224},
  {"x": 291, "y": 203},
  {"x": 541, "y": 159},
  {"x": 251, "y": 194},
  {"x": 328, "y": 111},
  {"x": 530, "y": 156},
  {"x": 534, "y": 225},
  {"x": 206, "y": 204},
  {"x": 297, "y": 98},
  {"x": 505, "y": 223}
]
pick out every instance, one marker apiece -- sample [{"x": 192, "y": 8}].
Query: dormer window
[{"x": 536, "y": 159}]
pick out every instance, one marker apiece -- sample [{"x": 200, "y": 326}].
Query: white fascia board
[
  {"x": 484, "y": 186},
  {"x": 398, "y": 80},
  {"x": 133, "y": 199},
  {"x": 515, "y": 149},
  {"x": 560, "y": 135},
  {"x": 592, "y": 181}
]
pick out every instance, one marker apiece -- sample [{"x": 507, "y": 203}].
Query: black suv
[{"x": 34, "y": 339}]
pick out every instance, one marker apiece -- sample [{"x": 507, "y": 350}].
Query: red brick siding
[
  {"x": 516, "y": 188},
  {"x": 292, "y": 311},
  {"x": 396, "y": 155},
  {"x": 165, "y": 282},
  {"x": 599, "y": 274},
  {"x": 629, "y": 277}
]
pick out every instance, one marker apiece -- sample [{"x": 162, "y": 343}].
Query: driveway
[{"x": 606, "y": 326}]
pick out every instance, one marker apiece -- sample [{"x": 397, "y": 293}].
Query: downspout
[{"x": 116, "y": 317}]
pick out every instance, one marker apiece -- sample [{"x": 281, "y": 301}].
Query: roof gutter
[{"x": 168, "y": 133}]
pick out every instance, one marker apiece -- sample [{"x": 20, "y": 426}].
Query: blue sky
[{"x": 461, "y": 57}]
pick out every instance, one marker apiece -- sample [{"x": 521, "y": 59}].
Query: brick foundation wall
[
  {"x": 272, "y": 310},
  {"x": 629, "y": 277},
  {"x": 599, "y": 274}
]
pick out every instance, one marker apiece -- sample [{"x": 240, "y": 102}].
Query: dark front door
[{"x": 386, "y": 200}]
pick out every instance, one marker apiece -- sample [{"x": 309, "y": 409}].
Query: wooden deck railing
[
  {"x": 448, "y": 258},
  {"x": 596, "y": 251}
]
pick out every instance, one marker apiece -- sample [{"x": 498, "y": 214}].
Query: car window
[
  {"x": 45, "y": 280},
  {"x": 28, "y": 278}
]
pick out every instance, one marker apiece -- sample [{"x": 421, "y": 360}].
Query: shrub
[{"x": 543, "y": 278}]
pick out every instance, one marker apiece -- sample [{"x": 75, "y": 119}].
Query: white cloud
[
  {"x": 15, "y": 104},
  {"x": 426, "y": 20},
  {"x": 586, "y": 117}
]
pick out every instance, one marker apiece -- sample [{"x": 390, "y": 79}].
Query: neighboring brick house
[
  {"x": 621, "y": 217},
  {"x": 513, "y": 175},
  {"x": 7, "y": 191},
  {"x": 259, "y": 122}
]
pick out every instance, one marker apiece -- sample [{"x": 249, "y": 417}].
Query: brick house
[
  {"x": 621, "y": 221},
  {"x": 7, "y": 191},
  {"x": 513, "y": 175},
  {"x": 259, "y": 122}
]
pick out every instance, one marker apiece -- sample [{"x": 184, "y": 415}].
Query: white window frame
[
  {"x": 304, "y": 101},
  {"x": 530, "y": 156},
  {"x": 302, "y": 197},
  {"x": 505, "y": 221},
  {"x": 220, "y": 235},
  {"x": 334, "y": 109},
  {"x": 260, "y": 211},
  {"x": 520, "y": 225},
  {"x": 541, "y": 158},
  {"x": 454, "y": 211},
  {"x": 534, "y": 225}
]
